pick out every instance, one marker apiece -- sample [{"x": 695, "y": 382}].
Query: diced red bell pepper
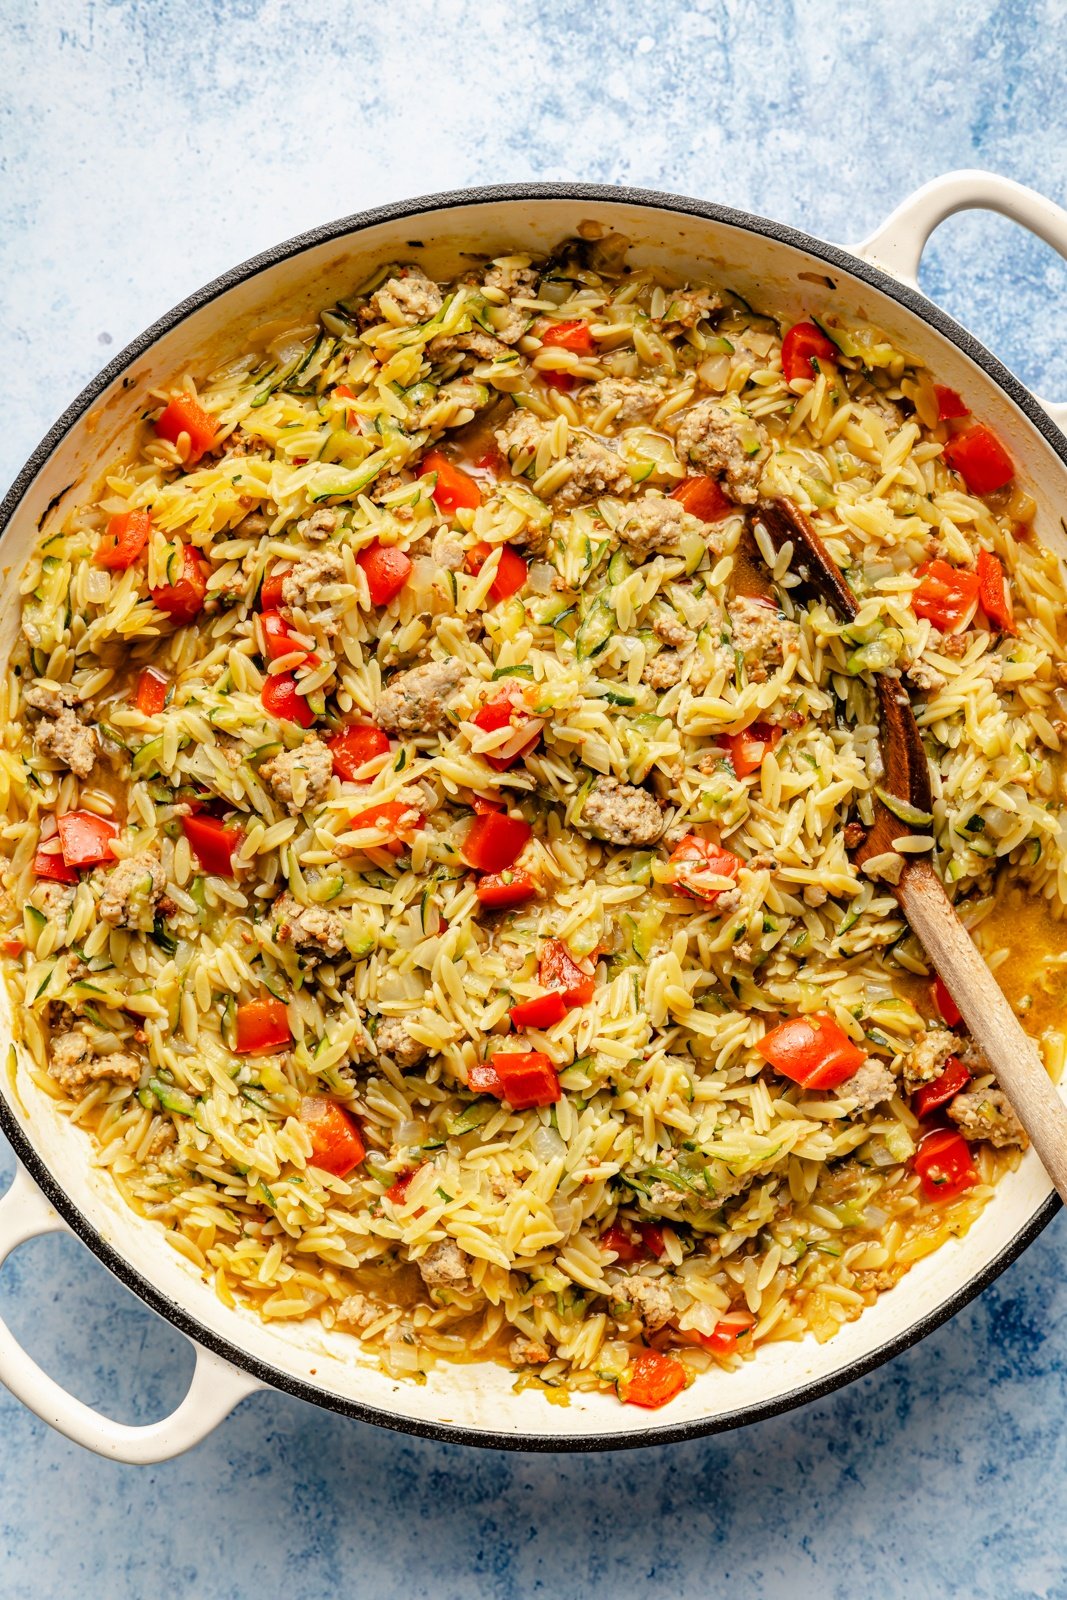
[
  {"x": 653, "y": 1240},
  {"x": 184, "y": 600},
  {"x": 932, "y": 1096},
  {"x": 563, "y": 381},
  {"x": 494, "y": 840},
  {"x": 336, "y": 1141},
  {"x": 993, "y": 593},
  {"x": 50, "y": 864},
  {"x": 625, "y": 1246},
  {"x": 262, "y": 1025},
  {"x": 573, "y": 336},
  {"x": 454, "y": 489},
  {"x": 152, "y": 690},
  {"x": 282, "y": 699},
  {"x": 400, "y": 1185},
  {"x": 183, "y": 414},
  {"x": 278, "y": 641},
  {"x": 557, "y": 969},
  {"x": 943, "y": 1162},
  {"x": 947, "y": 1007},
  {"x": 980, "y": 459},
  {"x": 524, "y": 1079},
  {"x": 86, "y": 839},
  {"x": 343, "y": 392},
  {"x": 386, "y": 568},
  {"x": 722, "y": 1340},
  {"x": 505, "y": 710},
  {"x": 813, "y": 1051},
  {"x": 354, "y": 746},
  {"x": 802, "y": 346},
  {"x": 12, "y": 947},
  {"x": 541, "y": 1012},
  {"x": 394, "y": 819},
  {"x": 703, "y": 497},
  {"x": 946, "y": 596},
  {"x": 503, "y": 891},
  {"x": 748, "y": 748},
  {"x": 125, "y": 540},
  {"x": 511, "y": 574},
  {"x": 695, "y": 860},
  {"x": 270, "y": 592},
  {"x": 651, "y": 1380},
  {"x": 212, "y": 843},
  {"x": 949, "y": 404}
]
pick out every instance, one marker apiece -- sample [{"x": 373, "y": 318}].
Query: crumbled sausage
[
  {"x": 761, "y": 635},
  {"x": 72, "y": 1063},
  {"x": 622, "y": 813},
  {"x": 447, "y": 550},
  {"x": 476, "y": 342},
  {"x": 669, "y": 627},
  {"x": 316, "y": 571},
  {"x": 651, "y": 1300},
  {"x": 132, "y": 891},
  {"x": 925, "y": 1061},
  {"x": 595, "y": 470},
  {"x": 417, "y": 701},
  {"x": 318, "y": 526},
  {"x": 855, "y": 833},
  {"x": 925, "y": 677},
  {"x": 654, "y": 523},
  {"x": 987, "y": 1114},
  {"x": 312, "y": 930},
  {"x": 393, "y": 1039},
  {"x": 631, "y": 399},
  {"x": 663, "y": 671},
  {"x": 687, "y": 306},
  {"x": 444, "y": 1266},
  {"x": 356, "y": 1311},
  {"x": 69, "y": 742},
  {"x": 300, "y": 777},
  {"x": 528, "y": 1352},
  {"x": 513, "y": 276},
  {"x": 49, "y": 698},
  {"x": 718, "y": 439},
  {"x": 411, "y": 297},
  {"x": 869, "y": 1086}
]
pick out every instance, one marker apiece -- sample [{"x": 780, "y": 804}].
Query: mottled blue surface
[{"x": 146, "y": 146}]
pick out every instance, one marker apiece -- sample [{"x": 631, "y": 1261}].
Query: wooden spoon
[{"x": 993, "y": 1024}]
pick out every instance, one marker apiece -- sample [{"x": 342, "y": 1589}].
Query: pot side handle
[
  {"x": 216, "y": 1387},
  {"x": 897, "y": 246}
]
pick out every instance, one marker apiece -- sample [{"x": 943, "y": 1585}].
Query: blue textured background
[{"x": 146, "y": 145}]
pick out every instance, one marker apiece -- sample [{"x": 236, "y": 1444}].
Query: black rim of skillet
[{"x": 504, "y": 194}]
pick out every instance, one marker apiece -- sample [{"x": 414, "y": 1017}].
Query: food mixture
[{"x": 427, "y": 871}]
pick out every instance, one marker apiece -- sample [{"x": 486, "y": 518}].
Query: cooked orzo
[{"x": 427, "y": 870}]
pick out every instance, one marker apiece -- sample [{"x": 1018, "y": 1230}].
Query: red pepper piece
[
  {"x": 454, "y": 489},
  {"x": 262, "y": 1025},
  {"x": 695, "y": 860},
  {"x": 493, "y": 841},
  {"x": 511, "y": 574},
  {"x": 946, "y": 596},
  {"x": 993, "y": 593},
  {"x": 184, "y": 600},
  {"x": 183, "y": 414},
  {"x": 86, "y": 838},
  {"x": 336, "y": 1141},
  {"x": 282, "y": 699},
  {"x": 125, "y": 540},
  {"x": 802, "y": 346},
  {"x": 557, "y": 969},
  {"x": 949, "y": 404},
  {"x": 503, "y": 891},
  {"x": 748, "y": 748},
  {"x": 394, "y": 819},
  {"x": 526, "y": 1078},
  {"x": 703, "y": 497},
  {"x": 950, "y": 1011},
  {"x": 386, "y": 568},
  {"x": 354, "y": 746},
  {"x": 152, "y": 691},
  {"x": 212, "y": 843},
  {"x": 980, "y": 459},
  {"x": 541, "y": 1012},
  {"x": 943, "y": 1162},
  {"x": 813, "y": 1051},
  {"x": 651, "y": 1380}
]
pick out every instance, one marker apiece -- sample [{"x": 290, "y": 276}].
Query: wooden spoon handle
[{"x": 990, "y": 1019}]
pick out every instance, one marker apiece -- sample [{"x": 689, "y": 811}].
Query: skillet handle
[
  {"x": 215, "y": 1389},
  {"x": 897, "y": 246}
]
